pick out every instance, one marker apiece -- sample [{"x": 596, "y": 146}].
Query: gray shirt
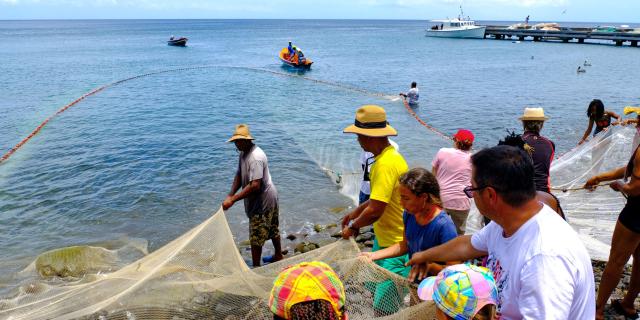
[
  {"x": 253, "y": 166},
  {"x": 413, "y": 95}
]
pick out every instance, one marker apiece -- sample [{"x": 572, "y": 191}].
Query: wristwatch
[{"x": 351, "y": 226}]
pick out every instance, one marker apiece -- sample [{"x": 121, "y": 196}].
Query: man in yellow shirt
[{"x": 383, "y": 209}]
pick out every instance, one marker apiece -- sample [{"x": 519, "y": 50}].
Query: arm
[
  {"x": 354, "y": 214},
  {"x": 457, "y": 249},
  {"x": 371, "y": 213},
  {"x": 616, "y": 116},
  {"x": 227, "y": 202},
  {"x": 587, "y": 132},
  {"x": 250, "y": 189},
  {"x": 633, "y": 187},
  {"x": 395, "y": 250},
  {"x": 607, "y": 176}
]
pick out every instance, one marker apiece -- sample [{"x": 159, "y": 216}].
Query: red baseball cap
[{"x": 464, "y": 135}]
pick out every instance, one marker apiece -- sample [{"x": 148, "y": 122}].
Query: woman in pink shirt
[{"x": 452, "y": 168}]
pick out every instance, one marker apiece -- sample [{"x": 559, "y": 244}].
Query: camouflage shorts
[{"x": 263, "y": 227}]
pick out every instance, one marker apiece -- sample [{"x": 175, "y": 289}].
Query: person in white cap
[
  {"x": 259, "y": 194},
  {"x": 543, "y": 149}
]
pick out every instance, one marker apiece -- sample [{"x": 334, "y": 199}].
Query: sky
[{"x": 506, "y": 10}]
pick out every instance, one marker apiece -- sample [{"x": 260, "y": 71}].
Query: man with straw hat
[
  {"x": 543, "y": 149},
  {"x": 259, "y": 194},
  {"x": 383, "y": 209}
]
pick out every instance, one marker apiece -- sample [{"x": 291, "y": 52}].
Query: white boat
[{"x": 455, "y": 28}]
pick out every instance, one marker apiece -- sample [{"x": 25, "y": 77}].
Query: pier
[{"x": 575, "y": 35}]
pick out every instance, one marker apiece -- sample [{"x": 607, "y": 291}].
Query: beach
[{"x": 146, "y": 159}]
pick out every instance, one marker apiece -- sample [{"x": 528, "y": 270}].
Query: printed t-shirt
[
  {"x": 542, "y": 271},
  {"x": 385, "y": 172},
  {"x": 366, "y": 157},
  {"x": 453, "y": 172},
  {"x": 438, "y": 231},
  {"x": 253, "y": 166}
]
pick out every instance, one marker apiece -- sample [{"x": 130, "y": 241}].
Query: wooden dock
[{"x": 577, "y": 35}]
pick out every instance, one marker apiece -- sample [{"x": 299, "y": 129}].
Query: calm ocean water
[{"x": 147, "y": 159}]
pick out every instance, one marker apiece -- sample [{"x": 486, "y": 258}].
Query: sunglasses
[{"x": 470, "y": 189}]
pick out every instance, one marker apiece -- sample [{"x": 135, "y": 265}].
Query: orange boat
[{"x": 284, "y": 57}]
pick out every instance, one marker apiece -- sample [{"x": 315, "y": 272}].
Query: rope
[
  {"x": 37, "y": 130},
  {"x": 74, "y": 102},
  {"x": 422, "y": 122},
  {"x": 579, "y": 188}
]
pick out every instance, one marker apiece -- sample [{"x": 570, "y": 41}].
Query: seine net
[
  {"x": 591, "y": 213},
  {"x": 201, "y": 275}
]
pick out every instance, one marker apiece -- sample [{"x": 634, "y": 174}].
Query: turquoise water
[{"x": 147, "y": 159}]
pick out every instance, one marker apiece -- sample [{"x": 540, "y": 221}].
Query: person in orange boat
[{"x": 294, "y": 57}]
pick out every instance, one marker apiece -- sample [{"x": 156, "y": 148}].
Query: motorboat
[
  {"x": 284, "y": 57},
  {"x": 177, "y": 42},
  {"x": 455, "y": 28}
]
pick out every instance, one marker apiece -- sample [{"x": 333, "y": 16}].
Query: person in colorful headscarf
[
  {"x": 308, "y": 291},
  {"x": 462, "y": 292}
]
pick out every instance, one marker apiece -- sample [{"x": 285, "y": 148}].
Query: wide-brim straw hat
[
  {"x": 533, "y": 114},
  {"x": 371, "y": 121},
  {"x": 241, "y": 132}
]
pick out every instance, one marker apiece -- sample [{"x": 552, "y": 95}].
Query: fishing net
[
  {"x": 201, "y": 275},
  {"x": 591, "y": 213}
]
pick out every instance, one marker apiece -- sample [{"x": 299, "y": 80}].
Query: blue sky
[{"x": 539, "y": 10}]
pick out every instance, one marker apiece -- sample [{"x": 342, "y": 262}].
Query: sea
[{"x": 146, "y": 159}]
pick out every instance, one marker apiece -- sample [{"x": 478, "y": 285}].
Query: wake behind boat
[{"x": 177, "y": 42}]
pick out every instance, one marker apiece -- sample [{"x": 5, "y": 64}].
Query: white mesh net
[
  {"x": 591, "y": 214},
  {"x": 201, "y": 275}
]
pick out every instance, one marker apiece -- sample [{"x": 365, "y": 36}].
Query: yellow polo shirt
[{"x": 385, "y": 172}]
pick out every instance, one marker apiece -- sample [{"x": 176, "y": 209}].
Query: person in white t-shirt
[
  {"x": 541, "y": 267},
  {"x": 413, "y": 95}
]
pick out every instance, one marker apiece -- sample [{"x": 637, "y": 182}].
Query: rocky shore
[{"x": 297, "y": 243}]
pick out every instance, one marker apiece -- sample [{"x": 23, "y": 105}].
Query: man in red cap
[{"x": 452, "y": 168}]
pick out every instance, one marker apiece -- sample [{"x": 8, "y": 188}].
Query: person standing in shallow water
[
  {"x": 413, "y": 95},
  {"x": 625, "y": 242},
  {"x": 452, "y": 167},
  {"x": 543, "y": 149},
  {"x": 259, "y": 194}
]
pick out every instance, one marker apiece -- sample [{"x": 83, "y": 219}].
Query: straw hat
[
  {"x": 371, "y": 121},
  {"x": 534, "y": 114},
  {"x": 241, "y": 132}
]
